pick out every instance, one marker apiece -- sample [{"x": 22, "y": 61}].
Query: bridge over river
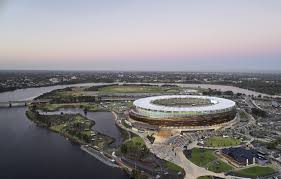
[{"x": 21, "y": 103}]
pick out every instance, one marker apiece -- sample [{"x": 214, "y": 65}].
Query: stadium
[{"x": 183, "y": 110}]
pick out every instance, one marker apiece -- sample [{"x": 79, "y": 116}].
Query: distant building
[{"x": 54, "y": 80}]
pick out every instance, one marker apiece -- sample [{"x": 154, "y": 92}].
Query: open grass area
[
  {"x": 204, "y": 177},
  {"x": 207, "y": 159},
  {"x": 218, "y": 166},
  {"x": 171, "y": 166},
  {"x": 53, "y": 107},
  {"x": 77, "y": 120},
  {"x": 222, "y": 142},
  {"x": 137, "y": 139},
  {"x": 138, "y": 89},
  {"x": 255, "y": 171},
  {"x": 202, "y": 157},
  {"x": 58, "y": 128},
  {"x": 207, "y": 177}
]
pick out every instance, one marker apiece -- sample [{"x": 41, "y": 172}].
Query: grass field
[
  {"x": 255, "y": 171},
  {"x": 205, "y": 177},
  {"x": 78, "y": 119},
  {"x": 207, "y": 159},
  {"x": 138, "y": 89},
  {"x": 222, "y": 142},
  {"x": 137, "y": 139},
  {"x": 54, "y": 107},
  {"x": 219, "y": 166},
  {"x": 171, "y": 166}
]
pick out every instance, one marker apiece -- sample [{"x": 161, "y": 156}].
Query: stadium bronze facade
[{"x": 183, "y": 110}]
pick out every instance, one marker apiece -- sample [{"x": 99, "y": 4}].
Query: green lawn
[
  {"x": 171, "y": 166},
  {"x": 137, "y": 89},
  {"x": 202, "y": 157},
  {"x": 83, "y": 105},
  {"x": 57, "y": 128},
  {"x": 78, "y": 119},
  {"x": 207, "y": 159},
  {"x": 206, "y": 177},
  {"x": 255, "y": 171},
  {"x": 222, "y": 142},
  {"x": 219, "y": 166},
  {"x": 137, "y": 140}
]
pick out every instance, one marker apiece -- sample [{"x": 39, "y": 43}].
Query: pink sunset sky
[{"x": 185, "y": 35}]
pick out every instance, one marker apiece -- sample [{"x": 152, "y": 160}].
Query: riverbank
[{"x": 99, "y": 155}]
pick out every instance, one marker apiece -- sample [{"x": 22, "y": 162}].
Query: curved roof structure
[{"x": 217, "y": 104}]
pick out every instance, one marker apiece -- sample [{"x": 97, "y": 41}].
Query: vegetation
[
  {"x": 136, "y": 174},
  {"x": 261, "y": 86},
  {"x": 73, "y": 126},
  {"x": 182, "y": 102},
  {"x": 206, "y": 158},
  {"x": 208, "y": 177},
  {"x": 135, "y": 147},
  {"x": 258, "y": 112},
  {"x": 276, "y": 144},
  {"x": 138, "y": 89},
  {"x": 222, "y": 141},
  {"x": 53, "y": 107},
  {"x": 202, "y": 157},
  {"x": 255, "y": 171},
  {"x": 96, "y": 88},
  {"x": 244, "y": 117},
  {"x": 67, "y": 95},
  {"x": 213, "y": 92},
  {"x": 171, "y": 166},
  {"x": 205, "y": 177},
  {"x": 218, "y": 166}
]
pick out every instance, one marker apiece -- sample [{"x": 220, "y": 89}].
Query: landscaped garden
[
  {"x": 255, "y": 171},
  {"x": 207, "y": 159},
  {"x": 217, "y": 141}
]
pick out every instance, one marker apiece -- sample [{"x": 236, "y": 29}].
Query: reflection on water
[{"x": 28, "y": 151}]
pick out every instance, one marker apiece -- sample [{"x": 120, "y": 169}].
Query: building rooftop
[
  {"x": 216, "y": 104},
  {"x": 240, "y": 154}
]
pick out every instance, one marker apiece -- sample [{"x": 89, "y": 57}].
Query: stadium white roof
[{"x": 217, "y": 104}]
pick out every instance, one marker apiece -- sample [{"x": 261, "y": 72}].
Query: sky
[{"x": 142, "y": 35}]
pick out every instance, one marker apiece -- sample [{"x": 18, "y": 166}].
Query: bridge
[{"x": 21, "y": 103}]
